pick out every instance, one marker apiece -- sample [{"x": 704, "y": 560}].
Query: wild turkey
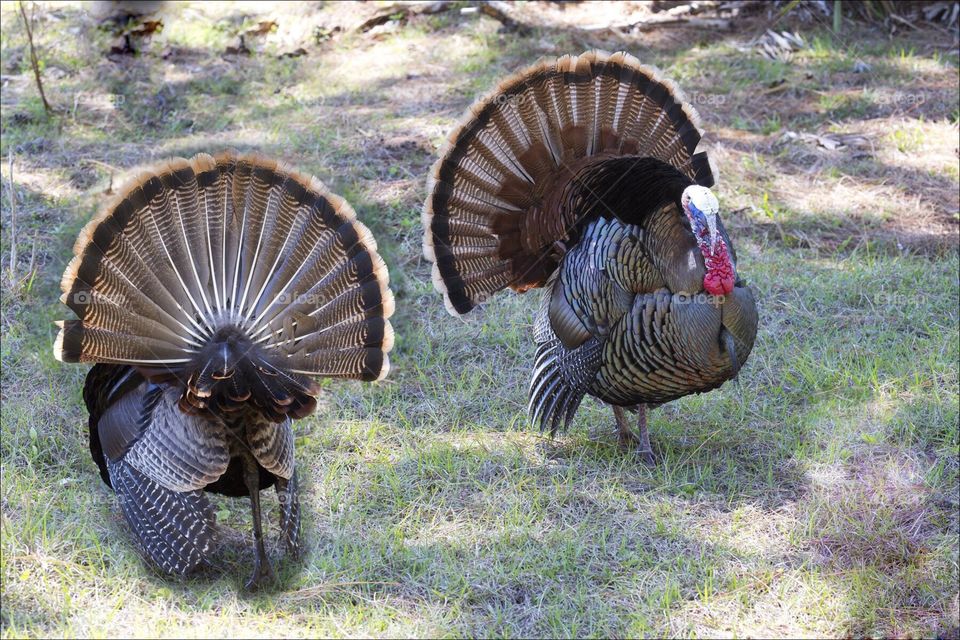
[
  {"x": 209, "y": 292},
  {"x": 580, "y": 176}
]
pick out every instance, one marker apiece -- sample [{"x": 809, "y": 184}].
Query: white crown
[{"x": 702, "y": 198}]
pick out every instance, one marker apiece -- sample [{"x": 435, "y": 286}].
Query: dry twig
[
  {"x": 34, "y": 62},
  {"x": 403, "y": 10},
  {"x": 13, "y": 224}
]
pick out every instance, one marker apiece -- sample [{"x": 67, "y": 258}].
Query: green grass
[{"x": 814, "y": 497}]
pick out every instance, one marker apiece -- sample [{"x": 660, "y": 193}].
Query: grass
[{"x": 817, "y": 496}]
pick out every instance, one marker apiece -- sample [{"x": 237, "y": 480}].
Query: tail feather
[
  {"x": 116, "y": 255},
  {"x": 367, "y": 332},
  {"x": 346, "y": 258},
  {"x": 180, "y": 184},
  {"x": 285, "y": 232},
  {"x": 167, "y": 222},
  {"x": 260, "y": 201},
  {"x": 300, "y": 274},
  {"x": 492, "y": 215},
  {"x": 79, "y": 342},
  {"x": 363, "y": 363},
  {"x": 107, "y": 314},
  {"x": 219, "y": 269}
]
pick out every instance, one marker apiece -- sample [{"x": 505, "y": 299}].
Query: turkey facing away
[
  {"x": 580, "y": 176},
  {"x": 209, "y": 292}
]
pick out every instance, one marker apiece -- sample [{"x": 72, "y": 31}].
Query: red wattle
[{"x": 720, "y": 274}]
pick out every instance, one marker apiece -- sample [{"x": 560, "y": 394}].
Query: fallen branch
[
  {"x": 691, "y": 9},
  {"x": 506, "y": 14},
  {"x": 652, "y": 24},
  {"x": 697, "y": 23},
  {"x": 500, "y": 11},
  {"x": 903, "y": 21},
  {"x": 403, "y": 10},
  {"x": 34, "y": 62}
]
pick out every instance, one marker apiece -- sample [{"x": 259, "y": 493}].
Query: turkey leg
[
  {"x": 288, "y": 493},
  {"x": 628, "y": 439},
  {"x": 261, "y": 563}
]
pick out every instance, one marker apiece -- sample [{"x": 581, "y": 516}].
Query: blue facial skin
[{"x": 700, "y": 227}]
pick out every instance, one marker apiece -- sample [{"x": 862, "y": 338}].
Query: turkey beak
[{"x": 714, "y": 234}]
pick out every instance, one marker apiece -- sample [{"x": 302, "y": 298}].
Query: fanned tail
[
  {"x": 236, "y": 275},
  {"x": 493, "y": 218}
]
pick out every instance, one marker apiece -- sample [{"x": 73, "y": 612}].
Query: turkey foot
[
  {"x": 262, "y": 571},
  {"x": 288, "y": 493},
  {"x": 639, "y": 442}
]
